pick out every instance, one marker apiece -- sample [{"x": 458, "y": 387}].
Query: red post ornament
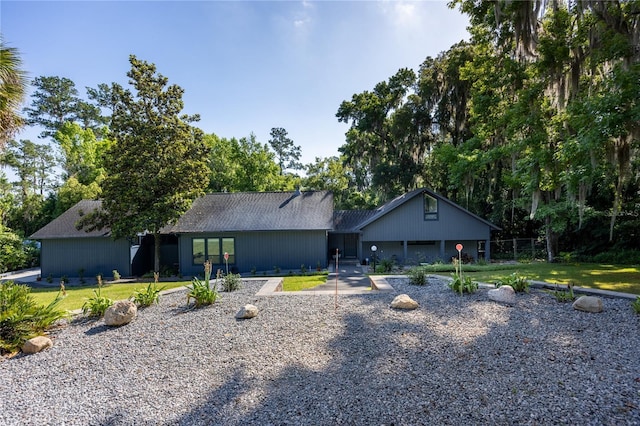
[{"x": 459, "y": 247}]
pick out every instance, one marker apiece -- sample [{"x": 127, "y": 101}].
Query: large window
[
  {"x": 213, "y": 249},
  {"x": 430, "y": 207}
]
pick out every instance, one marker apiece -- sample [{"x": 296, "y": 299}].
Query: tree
[
  {"x": 245, "y": 165},
  {"x": 287, "y": 154},
  {"x": 53, "y": 103},
  {"x": 157, "y": 165},
  {"x": 13, "y": 87}
]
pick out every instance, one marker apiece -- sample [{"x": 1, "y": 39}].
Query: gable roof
[
  {"x": 258, "y": 211},
  {"x": 348, "y": 220},
  {"x": 64, "y": 226},
  {"x": 400, "y": 200}
]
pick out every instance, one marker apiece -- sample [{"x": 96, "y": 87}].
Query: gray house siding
[
  {"x": 100, "y": 255},
  {"x": 262, "y": 250},
  {"x": 405, "y": 235}
]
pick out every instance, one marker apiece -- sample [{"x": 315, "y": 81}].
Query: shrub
[
  {"x": 303, "y": 269},
  {"x": 518, "y": 282},
  {"x": 97, "y": 305},
  {"x": 563, "y": 296},
  {"x": 116, "y": 275},
  {"x": 253, "y": 270},
  {"x": 417, "y": 276},
  {"x": 201, "y": 291},
  {"x": 636, "y": 305},
  {"x": 386, "y": 265},
  {"x": 148, "y": 296},
  {"x": 231, "y": 282},
  {"x": 21, "y": 318},
  {"x": 461, "y": 284}
]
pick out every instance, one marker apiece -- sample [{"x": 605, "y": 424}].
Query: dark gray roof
[
  {"x": 258, "y": 211},
  {"x": 64, "y": 226},
  {"x": 348, "y": 220},
  {"x": 400, "y": 200}
]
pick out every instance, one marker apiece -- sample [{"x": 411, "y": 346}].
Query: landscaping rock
[
  {"x": 247, "y": 311},
  {"x": 588, "y": 304},
  {"x": 36, "y": 344},
  {"x": 403, "y": 301},
  {"x": 503, "y": 294},
  {"x": 120, "y": 313}
]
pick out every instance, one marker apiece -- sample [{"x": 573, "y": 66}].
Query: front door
[{"x": 351, "y": 245}]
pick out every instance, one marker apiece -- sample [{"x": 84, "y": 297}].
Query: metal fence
[{"x": 517, "y": 249}]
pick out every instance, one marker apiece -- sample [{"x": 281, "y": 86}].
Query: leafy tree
[
  {"x": 13, "y": 86},
  {"x": 158, "y": 163},
  {"x": 82, "y": 153},
  {"x": 333, "y": 175},
  {"x": 245, "y": 165},
  {"x": 287, "y": 154}
]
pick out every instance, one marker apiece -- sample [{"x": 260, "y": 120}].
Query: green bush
[
  {"x": 636, "y": 305},
  {"x": 97, "y": 305},
  {"x": 231, "y": 282},
  {"x": 518, "y": 282},
  {"x": 563, "y": 296},
  {"x": 619, "y": 257},
  {"x": 12, "y": 255},
  {"x": 386, "y": 265},
  {"x": 148, "y": 296},
  {"x": 461, "y": 284},
  {"x": 116, "y": 275},
  {"x": 417, "y": 276},
  {"x": 201, "y": 290},
  {"x": 21, "y": 318}
]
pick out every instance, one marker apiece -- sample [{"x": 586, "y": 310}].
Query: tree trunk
[
  {"x": 156, "y": 252},
  {"x": 549, "y": 236}
]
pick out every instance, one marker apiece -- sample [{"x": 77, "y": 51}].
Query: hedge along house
[{"x": 419, "y": 226}]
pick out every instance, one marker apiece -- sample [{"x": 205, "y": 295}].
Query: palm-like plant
[{"x": 13, "y": 87}]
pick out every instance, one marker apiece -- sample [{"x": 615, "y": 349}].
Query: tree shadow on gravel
[{"x": 440, "y": 364}]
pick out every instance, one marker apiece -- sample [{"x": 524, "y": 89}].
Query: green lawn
[
  {"x": 622, "y": 278},
  {"x": 76, "y": 296},
  {"x": 297, "y": 283}
]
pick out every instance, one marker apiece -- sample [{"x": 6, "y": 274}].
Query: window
[
  {"x": 430, "y": 207},
  {"x": 213, "y": 249}
]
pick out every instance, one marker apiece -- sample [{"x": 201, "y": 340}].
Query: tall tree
[
  {"x": 158, "y": 163},
  {"x": 53, "y": 103},
  {"x": 13, "y": 86},
  {"x": 287, "y": 154}
]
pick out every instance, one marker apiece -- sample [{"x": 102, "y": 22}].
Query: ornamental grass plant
[{"x": 22, "y": 318}]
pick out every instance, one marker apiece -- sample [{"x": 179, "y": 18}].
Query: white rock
[
  {"x": 247, "y": 311},
  {"x": 36, "y": 344},
  {"x": 403, "y": 301},
  {"x": 503, "y": 294},
  {"x": 120, "y": 313},
  {"x": 588, "y": 304}
]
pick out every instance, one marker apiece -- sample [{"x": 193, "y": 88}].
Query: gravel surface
[{"x": 455, "y": 360}]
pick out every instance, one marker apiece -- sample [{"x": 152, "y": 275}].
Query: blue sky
[{"x": 245, "y": 66}]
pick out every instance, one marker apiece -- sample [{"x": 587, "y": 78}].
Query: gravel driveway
[{"x": 455, "y": 360}]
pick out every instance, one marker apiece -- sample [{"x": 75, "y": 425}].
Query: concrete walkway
[{"x": 350, "y": 278}]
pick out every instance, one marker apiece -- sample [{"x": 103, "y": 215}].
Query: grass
[
  {"x": 76, "y": 296},
  {"x": 625, "y": 279},
  {"x": 297, "y": 283}
]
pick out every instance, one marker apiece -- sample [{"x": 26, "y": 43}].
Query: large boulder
[
  {"x": 503, "y": 294},
  {"x": 120, "y": 313},
  {"x": 588, "y": 304},
  {"x": 247, "y": 311},
  {"x": 403, "y": 301},
  {"x": 36, "y": 344}
]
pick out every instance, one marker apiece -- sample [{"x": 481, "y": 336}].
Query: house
[
  {"x": 268, "y": 230},
  {"x": 416, "y": 227}
]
